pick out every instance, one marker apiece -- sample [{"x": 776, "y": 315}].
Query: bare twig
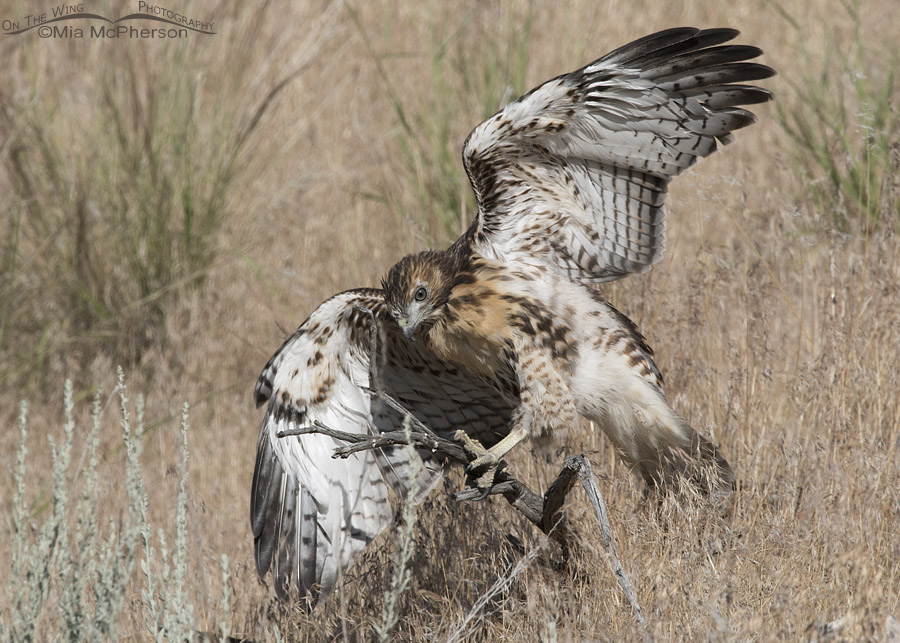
[
  {"x": 362, "y": 442},
  {"x": 395, "y": 404},
  {"x": 582, "y": 466},
  {"x": 500, "y": 585}
]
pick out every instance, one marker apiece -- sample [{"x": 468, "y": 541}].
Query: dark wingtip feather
[
  {"x": 265, "y": 501},
  {"x": 687, "y": 80},
  {"x": 649, "y": 44},
  {"x": 724, "y": 96},
  {"x": 263, "y": 389},
  {"x": 666, "y": 44},
  {"x": 716, "y": 36},
  {"x": 765, "y": 71},
  {"x": 266, "y": 476},
  {"x": 265, "y": 544},
  {"x": 740, "y": 118},
  {"x": 285, "y": 570},
  {"x": 693, "y": 61},
  {"x": 675, "y": 54}
]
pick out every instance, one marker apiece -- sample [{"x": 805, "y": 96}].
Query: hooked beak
[{"x": 409, "y": 331}]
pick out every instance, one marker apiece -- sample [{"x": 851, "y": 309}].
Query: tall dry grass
[{"x": 774, "y": 315}]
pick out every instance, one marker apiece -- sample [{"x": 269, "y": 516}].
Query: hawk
[{"x": 503, "y": 335}]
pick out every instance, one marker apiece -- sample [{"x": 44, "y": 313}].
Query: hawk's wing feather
[
  {"x": 311, "y": 514},
  {"x": 574, "y": 175},
  {"x": 662, "y": 44}
]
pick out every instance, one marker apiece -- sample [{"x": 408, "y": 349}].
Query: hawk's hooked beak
[{"x": 409, "y": 331}]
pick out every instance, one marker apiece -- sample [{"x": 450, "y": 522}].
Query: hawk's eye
[{"x": 421, "y": 293}]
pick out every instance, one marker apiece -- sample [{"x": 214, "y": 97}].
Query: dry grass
[{"x": 778, "y": 335}]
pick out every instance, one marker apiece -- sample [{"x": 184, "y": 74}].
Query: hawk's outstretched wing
[
  {"x": 311, "y": 514},
  {"x": 573, "y": 175}
]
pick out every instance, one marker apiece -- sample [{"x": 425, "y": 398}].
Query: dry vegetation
[{"x": 775, "y": 313}]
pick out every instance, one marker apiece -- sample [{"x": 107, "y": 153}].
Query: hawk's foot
[
  {"x": 483, "y": 480},
  {"x": 470, "y": 444},
  {"x": 484, "y": 460},
  {"x": 480, "y": 471}
]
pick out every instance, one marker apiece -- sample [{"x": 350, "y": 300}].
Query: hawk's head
[{"x": 417, "y": 288}]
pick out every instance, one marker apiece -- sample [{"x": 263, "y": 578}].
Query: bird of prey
[{"x": 503, "y": 335}]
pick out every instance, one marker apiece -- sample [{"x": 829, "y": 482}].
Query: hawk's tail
[
  {"x": 683, "y": 455},
  {"x": 660, "y": 445}
]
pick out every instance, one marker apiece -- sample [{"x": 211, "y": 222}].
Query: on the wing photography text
[{"x": 74, "y": 21}]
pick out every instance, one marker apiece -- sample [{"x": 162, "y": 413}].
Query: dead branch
[
  {"x": 360, "y": 442},
  {"x": 582, "y": 466}
]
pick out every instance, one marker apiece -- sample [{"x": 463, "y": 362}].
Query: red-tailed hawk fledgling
[{"x": 503, "y": 335}]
